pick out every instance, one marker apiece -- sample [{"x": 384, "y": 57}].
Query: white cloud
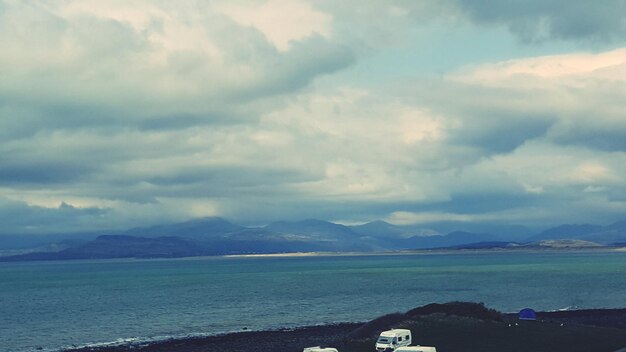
[
  {"x": 566, "y": 68},
  {"x": 281, "y": 21},
  {"x": 569, "y": 99},
  {"x": 149, "y": 57}
]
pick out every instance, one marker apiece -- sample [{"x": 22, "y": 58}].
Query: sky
[{"x": 116, "y": 114}]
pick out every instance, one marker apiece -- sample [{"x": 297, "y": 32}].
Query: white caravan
[
  {"x": 391, "y": 339},
  {"x": 416, "y": 349},
  {"x": 319, "y": 349}
]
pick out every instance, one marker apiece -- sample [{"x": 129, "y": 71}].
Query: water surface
[{"x": 55, "y": 304}]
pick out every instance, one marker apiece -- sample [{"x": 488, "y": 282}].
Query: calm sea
[{"x": 55, "y": 304}]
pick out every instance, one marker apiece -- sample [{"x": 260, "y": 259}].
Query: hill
[
  {"x": 545, "y": 244},
  {"x": 335, "y": 236},
  {"x": 451, "y": 327},
  {"x": 610, "y": 234},
  {"x": 196, "y": 228}
]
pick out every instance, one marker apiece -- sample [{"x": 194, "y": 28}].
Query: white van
[
  {"x": 319, "y": 349},
  {"x": 391, "y": 339},
  {"x": 416, "y": 349}
]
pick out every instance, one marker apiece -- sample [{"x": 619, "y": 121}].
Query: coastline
[
  {"x": 432, "y": 251},
  {"x": 448, "y": 326},
  {"x": 233, "y": 341}
]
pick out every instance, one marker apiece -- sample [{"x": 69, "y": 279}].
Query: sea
[{"x": 46, "y": 306}]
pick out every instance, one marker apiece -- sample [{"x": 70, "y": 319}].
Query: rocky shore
[{"x": 451, "y": 327}]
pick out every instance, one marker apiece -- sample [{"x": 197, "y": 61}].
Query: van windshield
[{"x": 385, "y": 339}]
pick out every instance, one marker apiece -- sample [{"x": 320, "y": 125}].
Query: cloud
[
  {"x": 575, "y": 98},
  {"x": 143, "y": 112},
  {"x": 145, "y": 58},
  {"x": 282, "y": 22},
  {"x": 19, "y": 217},
  {"x": 571, "y": 67},
  {"x": 39, "y": 171},
  {"x": 540, "y": 20}
]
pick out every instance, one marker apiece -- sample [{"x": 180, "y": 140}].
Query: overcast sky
[{"x": 123, "y": 113}]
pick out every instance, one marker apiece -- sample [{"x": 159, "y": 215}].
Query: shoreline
[
  {"x": 190, "y": 342},
  {"x": 433, "y": 251},
  {"x": 607, "y": 326}
]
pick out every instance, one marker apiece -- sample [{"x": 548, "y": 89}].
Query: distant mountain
[
  {"x": 546, "y": 244},
  {"x": 262, "y": 240},
  {"x": 197, "y": 228},
  {"x": 210, "y": 236},
  {"x": 120, "y": 246},
  {"x": 50, "y": 247},
  {"x": 313, "y": 228},
  {"x": 452, "y": 239},
  {"x": 217, "y": 236},
  {"x": 505, "y": 232},
  {"x": 29, "y": 241},
  {"x": 487, "y": 245},
  {"x": 409, "y": 240},
  {"x": 325, "y": 233},
  {"x": 610, "y": 234},
  {"x": 382, "y": 229},
  {"x": 393, "y": 237},
  {"x": 617, "y": 226},
  {"x": 568, "y": 231}
]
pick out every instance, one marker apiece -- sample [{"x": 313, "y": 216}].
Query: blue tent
[{"x": 527, "y": 314}]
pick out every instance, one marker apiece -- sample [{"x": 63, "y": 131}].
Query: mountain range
[{"x": 217, "y": 236}]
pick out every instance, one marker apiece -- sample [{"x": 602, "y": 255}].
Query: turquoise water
[{"x": 57, "y": 304}]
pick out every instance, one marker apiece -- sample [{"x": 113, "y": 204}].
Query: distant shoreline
[
  {"x": 424, "y": 251},
  {"x": 432, "y": 251}
]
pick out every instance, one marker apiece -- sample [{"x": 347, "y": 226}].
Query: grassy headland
[{"x": 451, "y": 327}]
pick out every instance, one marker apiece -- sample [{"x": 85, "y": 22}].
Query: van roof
[
  {"x": 394, "y": 332},
  {"x": 416, "y": 349}
]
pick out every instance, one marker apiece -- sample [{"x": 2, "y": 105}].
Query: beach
[{"x": 450, "y": 327}]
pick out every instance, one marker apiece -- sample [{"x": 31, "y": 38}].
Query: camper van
[
  {"x": 319, "y": 349},
  {"x": 416, "y": 349},
  {"x": 390, "y": 340}
]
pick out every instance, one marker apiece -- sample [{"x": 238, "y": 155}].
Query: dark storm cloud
[
  {"x": 35, "y": 172},
  {"x": 537, "y": 20},
  {"x": 27, "y": 118},
  {"x": 468, "y": 203},
  {"x": 46, "y": 160},
  {"x": 220, "y": 181},
  {"x": 19, "y": 217},
  {"x": 495, "y": 132},
  {"x": 493, "y": 120},
  {"x": 296, "y": 68},
  {"x": 607, "y": 138}
]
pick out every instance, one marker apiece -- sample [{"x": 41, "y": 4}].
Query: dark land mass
[
  {"x": 124, "y": 246},
  {"x": 451, "y": 327},
  {"x": 540, "y": 245},
  {"x": 609, "y": 234},
  {"x": 216, "y": 236}
]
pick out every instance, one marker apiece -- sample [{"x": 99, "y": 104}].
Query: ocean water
[{"x": 58, "y": 304}]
